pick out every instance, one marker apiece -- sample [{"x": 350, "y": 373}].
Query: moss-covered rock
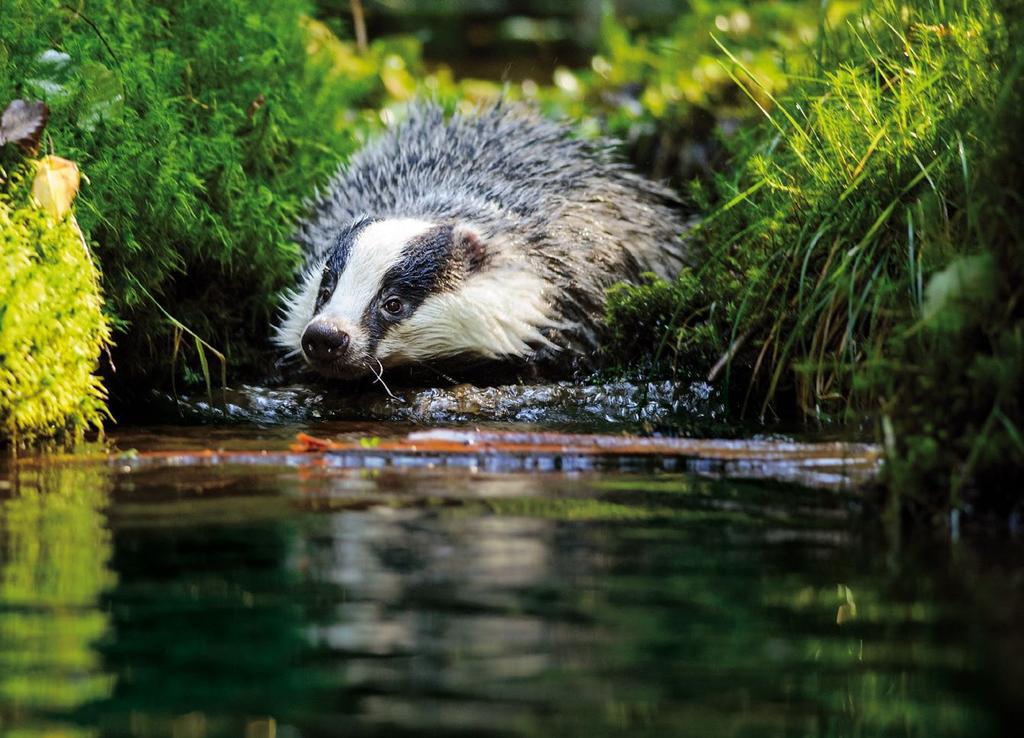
[{"x": 52, "y": 326}]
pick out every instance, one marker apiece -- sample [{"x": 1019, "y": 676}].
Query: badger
[{"x": 489, "y": 236}]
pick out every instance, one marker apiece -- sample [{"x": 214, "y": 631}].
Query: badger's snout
[{"x": 324, "y": 341}]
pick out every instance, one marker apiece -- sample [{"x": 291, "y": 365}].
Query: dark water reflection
[{"x": 272, "y": 601}]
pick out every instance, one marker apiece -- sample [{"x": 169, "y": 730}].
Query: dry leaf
[
  {"x": 848, "y": 609},
  {"x": 56, "y": 185},
  {"x": 256, "y": 105},
  {"x": 845, "y": 613},
  {"x": 22, "y": 123}
]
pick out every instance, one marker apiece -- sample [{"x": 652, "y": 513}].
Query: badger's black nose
[{"x": 324, "y": 341}]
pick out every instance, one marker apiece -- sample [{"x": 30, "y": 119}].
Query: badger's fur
[{"x": 487, "y": 236}]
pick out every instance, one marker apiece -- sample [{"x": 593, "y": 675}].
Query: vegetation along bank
[{"x": 863, "y": 255}]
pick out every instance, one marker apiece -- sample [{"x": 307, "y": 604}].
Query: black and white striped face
[{"x": 396, "y": 291}]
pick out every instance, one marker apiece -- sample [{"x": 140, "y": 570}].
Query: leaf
[
  {"x": 53, "y": 68},
  {"x": 23, "y": 123},
  {"x": 56, "y": 185},
  {"x": 103, "y": 98},
  {"x": 848, "y": 608},
  {"x": 966, "y": 281}
]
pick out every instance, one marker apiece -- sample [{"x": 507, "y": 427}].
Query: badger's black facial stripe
[
  {"x": 337, "y": 258},
  {"x": 426, "y": 268},
  {"x": 425, "y": 264}
]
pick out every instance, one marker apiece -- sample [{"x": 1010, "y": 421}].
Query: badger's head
[{"x": 397, "y": 291}]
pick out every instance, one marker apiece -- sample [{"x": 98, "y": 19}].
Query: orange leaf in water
[{"x": 56, "y": 185}]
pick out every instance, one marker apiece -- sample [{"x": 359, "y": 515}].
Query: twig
[
  {"x": 725, "y": 358},
  {"x": 99, "y": 35},
  {"x": 359, "y": 21}
]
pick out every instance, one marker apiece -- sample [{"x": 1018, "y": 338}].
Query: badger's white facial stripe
[
  {"x": 377, "y": 248},
  {"x": 496, "y": 314},
  {"x": 362, "y": 263},
  {"x": 298, "y": 306}
]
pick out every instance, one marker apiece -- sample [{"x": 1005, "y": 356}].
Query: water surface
[{"x": 302, "y": 598}]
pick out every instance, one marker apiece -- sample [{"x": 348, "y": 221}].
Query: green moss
[
  {"x": 645, "y": 322},
  {"x": 52, "y": 327},
  {"x": 203, "y": 126}
]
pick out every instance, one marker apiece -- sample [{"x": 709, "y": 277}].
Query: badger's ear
[{"x": 471, "y": 246}]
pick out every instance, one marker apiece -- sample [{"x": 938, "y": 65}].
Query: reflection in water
[
  {"x": 206, "y": 623},
  {"x": 54, "y": 564},
  {"x": 323, "y": 602}
]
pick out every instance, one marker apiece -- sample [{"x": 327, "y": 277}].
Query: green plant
[
  {"x": 954, "y": 397},
  {"x": 858, "y": 261},
  {"x": 203, "y": 126},
  {"x": 663, "y": 91},
  {"x": 52, "y": 328}
]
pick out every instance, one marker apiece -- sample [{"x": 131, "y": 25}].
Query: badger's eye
[{"x": 393, "y": 306}]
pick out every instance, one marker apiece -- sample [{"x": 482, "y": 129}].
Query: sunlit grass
[{"x": 851, "y": 229}]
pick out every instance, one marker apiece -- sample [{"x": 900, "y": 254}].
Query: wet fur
[{"x": 560, "y": 220}]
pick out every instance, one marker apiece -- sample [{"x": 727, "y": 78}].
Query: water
[
  {"x": 613, "y": 406},
  {"x": 251, "y": 594}
]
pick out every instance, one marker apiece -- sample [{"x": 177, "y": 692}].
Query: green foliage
[
  {"x": 643, "y": 317},
  {"x": 664, "y": 92},
  {"x": 859, "y": 256},
  {"x": 202, "y": 126},
  {"x": 955, "y": 404},
  {"x": 52, "y": 327}
]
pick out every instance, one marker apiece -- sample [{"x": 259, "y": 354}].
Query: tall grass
[{"x": 855, "y": 240}]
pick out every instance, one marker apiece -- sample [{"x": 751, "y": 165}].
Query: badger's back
[{"x": 565, "y": 207}]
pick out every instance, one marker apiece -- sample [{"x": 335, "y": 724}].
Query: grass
[{"x": 859, "y": 260}]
